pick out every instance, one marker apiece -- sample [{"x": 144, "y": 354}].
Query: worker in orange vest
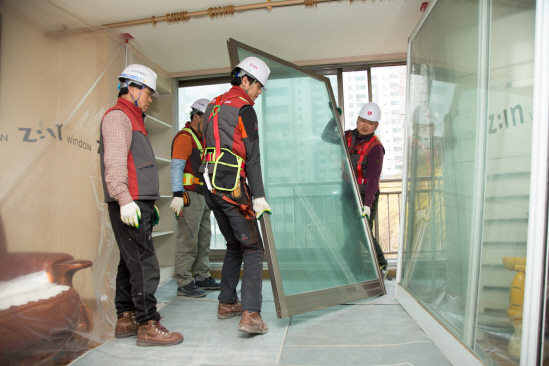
[{"x": 192, "y": 263}]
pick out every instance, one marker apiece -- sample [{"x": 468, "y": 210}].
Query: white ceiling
[{"x": 335, "y": 29}]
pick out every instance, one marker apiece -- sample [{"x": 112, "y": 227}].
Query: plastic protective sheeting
[
  {"x": 58, "y": 77},
  {"x": 321, "y": 240}
]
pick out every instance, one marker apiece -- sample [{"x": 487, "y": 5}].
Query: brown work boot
[
  {"x": 125, "y": 325},
  {"x": 152, "y": 333},
  {"x": 252, "y": 323},
  {"x": 227, "y": 311}
]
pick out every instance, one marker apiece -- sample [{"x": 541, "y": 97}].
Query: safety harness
[
  {"x": 188, "y": 178},
  {"x": 364, "y": 151},
  {"x": 214, "y": 155}
]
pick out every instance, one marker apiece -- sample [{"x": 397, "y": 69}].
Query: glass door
[{"x": 319, "y": 249}]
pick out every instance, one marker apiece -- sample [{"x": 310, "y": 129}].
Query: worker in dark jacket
[
  {"x": 231, "y": 154},
  {"x": 366, "y": 152}
]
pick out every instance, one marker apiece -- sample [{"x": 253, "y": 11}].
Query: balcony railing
[{"x": 386, "y": 225}]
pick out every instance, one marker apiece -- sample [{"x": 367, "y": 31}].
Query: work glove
[
  {"x": 260, "y": 207},
  {"x": 366, "y": 212},
  {"x": 177, "y": 205},
  {"x": 156, "y": 218},
  {"x": 130, "y": 214}
]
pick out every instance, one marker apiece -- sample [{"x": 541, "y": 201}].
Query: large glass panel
[
  {"x": 321, "y": 240},
  {"x": 509, "y": 136},
  {"x": 447, "y": 201},
  {"x": 443, "y": 106}
]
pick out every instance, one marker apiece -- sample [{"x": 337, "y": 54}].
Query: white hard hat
[
  {"x": 255, "y": 68},
  {"x": 138, "y": 74},
  {"x": 200, "y": 105},
  {"x": 371, "y": 112}
]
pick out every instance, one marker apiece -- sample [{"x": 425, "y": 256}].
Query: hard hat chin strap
[
  {"x": 252, "y": 84},
  {"x": 249, "y": 77},
  {"x": 140, "y": 91}
]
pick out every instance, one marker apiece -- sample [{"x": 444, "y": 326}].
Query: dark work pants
[
  {"x": 373, "y": 212},
  {"x": 138, "y": 271},
  {"x": 243, "y": 244}
]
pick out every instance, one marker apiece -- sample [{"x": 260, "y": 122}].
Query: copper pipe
[{"x": 212, "y": 12}]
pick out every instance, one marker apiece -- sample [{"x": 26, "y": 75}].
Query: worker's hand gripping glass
[
  {"x": 130, "y": 214},
  {"x": 366, "y": 212},
  {"x": 260, "y": 207}
]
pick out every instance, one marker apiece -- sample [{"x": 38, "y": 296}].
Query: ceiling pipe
[{"x": 214, "y": 12}]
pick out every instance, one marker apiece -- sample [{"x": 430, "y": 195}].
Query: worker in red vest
[
  {"x": 366, "y": 152},
  {"x": 231, "y": 155},
  {"x": 130, "y": 186},
  {"x": 192, "y": 262}
]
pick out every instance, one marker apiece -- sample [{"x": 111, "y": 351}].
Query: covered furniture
[{"x": 38, "y": 330}]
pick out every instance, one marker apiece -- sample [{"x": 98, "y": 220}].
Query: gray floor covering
[{"x": 367, "y": 332}]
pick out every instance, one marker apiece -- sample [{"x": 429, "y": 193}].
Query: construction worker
[
  {"x": 192, "y": 213},
  {"x": 130, "y": 185},
  {"x": 366, "y": 152},
  {"x": 231, "y": 154}
]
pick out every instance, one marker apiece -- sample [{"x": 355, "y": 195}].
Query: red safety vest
[
  {"x": 212, "y": 154},
  {"x": 362, "y": 149},
  {"x": 141, "y": 164}
]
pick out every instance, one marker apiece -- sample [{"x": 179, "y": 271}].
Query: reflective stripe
[
  {"x": 210, "y": 158},
  {"x": 196, "y": 140},
  {"x": 189, "y": 180}
]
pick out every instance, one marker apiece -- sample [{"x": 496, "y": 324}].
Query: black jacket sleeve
[
  {"x": 251, "y": 143},
  {"x": 331, "y": 133}
]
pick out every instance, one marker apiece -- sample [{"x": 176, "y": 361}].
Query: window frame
[{"x": 217, "y": 255}]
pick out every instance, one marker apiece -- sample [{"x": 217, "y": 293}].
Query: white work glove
[
  {"x": 130, "y": 214},
  {"x": 366, "y": 212},
  {"x": 260, "y": 207},
  {"x": 177, "y": 205}
]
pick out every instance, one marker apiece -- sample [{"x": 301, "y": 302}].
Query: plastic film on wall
[{"x": 58, "y": 255}]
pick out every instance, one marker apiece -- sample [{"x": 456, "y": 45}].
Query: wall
[{"x": 54, "y": 90}]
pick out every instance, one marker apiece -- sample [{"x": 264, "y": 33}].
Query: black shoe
[
  {"x": 208, "y": 284},
  {"x": 190, "y": 290}
]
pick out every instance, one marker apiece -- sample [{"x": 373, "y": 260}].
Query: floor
[{"x": 367, "y": 332}]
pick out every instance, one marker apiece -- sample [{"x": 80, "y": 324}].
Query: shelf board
[
  {"x": 162, "y": 160},
  {"x": 161, "y": 233},
  {"x": 155, "y": 124}
]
